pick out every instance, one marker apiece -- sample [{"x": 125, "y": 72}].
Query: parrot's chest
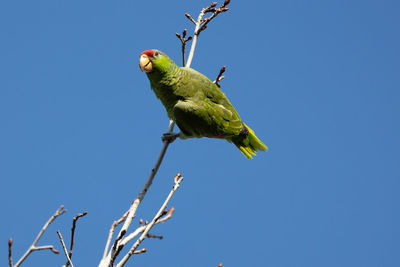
[{"x": 166, "y": 93}]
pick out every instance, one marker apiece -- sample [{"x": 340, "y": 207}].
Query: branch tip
[
  {"x": 155, "y": 236},
  {"x": 178, "y": 177},
  {"x": 10, "y": 242},
  {"x": 190, "y": 18},
  {"x": 143, "y": 250},
  {"x": 71, "y": 247},
  {"x": 220, "y": 77},
  {"x": 170, "y": 211}
]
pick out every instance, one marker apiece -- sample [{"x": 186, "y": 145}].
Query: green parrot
[{"x": 196, "y": 104}]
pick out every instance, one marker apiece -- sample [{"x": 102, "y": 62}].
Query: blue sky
[{"x": 318, "y": 81}]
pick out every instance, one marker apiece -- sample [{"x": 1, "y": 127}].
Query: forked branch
[
  {"x": 183, "y": 40},
  {"x": 201, "y": 24},
  {"x": 73, "y": 235},
  {"x": 33, "y": 247},
  {"x": 220, "y": 77},
  {"x": 177, "y": 180}
]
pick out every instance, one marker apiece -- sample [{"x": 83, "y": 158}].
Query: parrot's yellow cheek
[{"x": 145, "y": 63}]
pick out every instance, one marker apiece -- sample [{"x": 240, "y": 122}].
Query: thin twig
[
  {"x": 141, "y": 228},
  {"x": 215, "y": 12},
  {"x": 201, "y": 24},
  {"x": 73, "y": 234},
  {"x": 220, "y": 77},
  {"x": 164, "y": 217},
  {"x": 183, "y": 40},
  {"x": 177, "y": 180},
  {"x": 64, "y": 248},
  {"x": 111, "y": 233},
  {"x": 33, "y": 247},
  {"x": 140, "y": 251},
  {"x": 155, "y": 236},
  {"x": 190, "y": 18},
  {"x": 10, "y": 263}
]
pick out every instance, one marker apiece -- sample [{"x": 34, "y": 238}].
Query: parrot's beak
[{"x": 145, "y": 63}]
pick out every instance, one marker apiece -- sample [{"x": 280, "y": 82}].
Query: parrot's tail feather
[{"x": 249, "y": 145}]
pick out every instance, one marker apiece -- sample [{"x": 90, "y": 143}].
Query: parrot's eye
[{"x": 155, "y": 54}]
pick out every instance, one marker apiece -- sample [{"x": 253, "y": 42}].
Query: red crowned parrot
[{"x": 196, "y": 104}]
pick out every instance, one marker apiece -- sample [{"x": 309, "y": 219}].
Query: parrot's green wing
[{"x": 206, "y": 111}]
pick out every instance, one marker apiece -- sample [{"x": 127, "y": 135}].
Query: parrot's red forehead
[{"x": 148, "y": 52}]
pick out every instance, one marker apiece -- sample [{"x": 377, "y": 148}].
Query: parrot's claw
[{"x": 169, "y": 137}]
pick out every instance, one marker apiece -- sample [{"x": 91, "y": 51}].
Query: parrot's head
[{"x": 152, "y": 60}]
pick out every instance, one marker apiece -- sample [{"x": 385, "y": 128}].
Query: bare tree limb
[
  {"x": 138, "y": 200},
  {"x": 177, "y": 180},
  {"x": 143, "y": 227},
  {"x": 33, "y": 247},
  {"x": 79, "y": 215},
  {"x": 201, "y": 24},
  {"x": 111, "y": 233},
  {"x": 117, "y": 247},
  {"x": 64, "y": 248}
]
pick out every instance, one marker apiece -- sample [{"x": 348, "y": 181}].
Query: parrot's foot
[{"x": 169, "y": 137}]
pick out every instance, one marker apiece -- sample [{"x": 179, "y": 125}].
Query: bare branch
[
  {"x": 177, "y": 180},
  {"x": 201, "y": 24},
  {"x": 49, "y": 247},
  {"x": 165, "y": 216},
  {"x": 111, "y": 233},
  {"x": 183, "y": 40},
  {"x": 143, "y": 227},
  {"x": 107, "y": 257},
  {"x": 220, "y": 77},
  {"x": 117, "y": 247},
  {"x": 79, "y": 215},
  {"x": 116, "y": 250},
  {"x": 138, "y": 200},
  {"x": 64, "y": 248},
  {"x": 140, "y": 251},
  {"x": 10, "y": 241},
  {"x": 33, "y": 247},
  {"x": 190, "y": 18},
  {"x": 155, "y": 236}
]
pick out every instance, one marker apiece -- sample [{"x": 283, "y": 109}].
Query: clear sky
[{"x": 318, "y": 81}]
